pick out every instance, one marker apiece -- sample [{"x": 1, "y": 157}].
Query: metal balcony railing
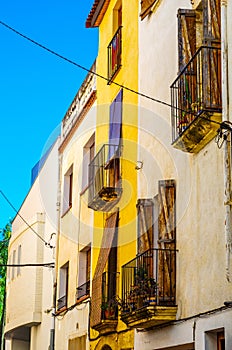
[
  {"x": 83, "y": 290},
  {"x": 114, "y": 54},
  {"x": 109, "y": 302},
  {"x": 149, "y": 279},
  {"x": 197, "y": 89},
  {"x": 104, "y": 178},
  {"x": 62, "y": 302}
]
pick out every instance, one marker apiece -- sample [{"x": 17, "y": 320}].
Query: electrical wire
[
  {"x": 185, "y": 319},
  {"x": 50, "y": 265},
  {"x": 97, "y": 74},
  {"x": 82, "y": 67},
  {"x": 47, "y": 244},
  {"x": 101, "y": 76}
]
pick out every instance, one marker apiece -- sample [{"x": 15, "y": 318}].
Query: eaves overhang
[{"x": 97, "y": 13}]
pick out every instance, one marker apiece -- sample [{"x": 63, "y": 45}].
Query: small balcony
[
  {"x": 62, "y": 303},
  {"x": 149, "y": 289},
  {"x": 196, "y": 101},
  {"x": 83, "y": 291},
  {"x": 104, "y": 189},
  {"x": 114, "y": 54},
  {"x": 109, "y": 304}
]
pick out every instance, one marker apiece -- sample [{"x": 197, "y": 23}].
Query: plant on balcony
[
  {"x": 109, "y": 308},
  {"x": 144, "y": 290}
]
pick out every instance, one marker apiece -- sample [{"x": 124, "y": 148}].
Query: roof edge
[{"x": 97, "y": 13}]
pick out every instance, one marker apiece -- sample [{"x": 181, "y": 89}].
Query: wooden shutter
[
  {"x": 107, "y": 239},
  {"x": 146, "y": 7},
  {"x": 145, "y": 224},
  {"x": 167, "y": 239},
  {"x": 212, "y": 21},
  {"x": 212, "y": 58},
  {"x": 186, "y": 36}
]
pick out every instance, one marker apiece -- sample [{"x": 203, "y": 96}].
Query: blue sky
[{"x": 36, "y": 88}]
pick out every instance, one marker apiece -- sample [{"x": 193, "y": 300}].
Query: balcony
[
  {"x": 83, "y": 291},
  {"x": 109, "y": 304},
  {"x": 114, "y": 54},
  {"x": 149, "y": 288},
  {"x": 62, "y": 302},
  {"x": 104, "y": 188},
  {"x": 196, "y": 101}
]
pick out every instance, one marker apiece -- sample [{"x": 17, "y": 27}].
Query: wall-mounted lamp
[{"x": 139, "y": 165}]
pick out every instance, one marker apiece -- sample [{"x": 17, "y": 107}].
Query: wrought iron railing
[
  {"x": 109, "y": 301},
  {"x": 197, "y": 89},
  {"x": 104, "y": 177},
  {"x": 83, "y": 290},
  {"x": 149, "y": 279},
  {"x": 114, "y": 54},
  {"x": 62, "y": 302}
]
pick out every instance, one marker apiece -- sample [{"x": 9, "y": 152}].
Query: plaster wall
[
  {"x": 127, "y": 75},
  {"x": 199, "y": 330},
  {"x": 76, "y": 225},
  {"x": 199, "y": 177},
  {"x": 229, "y": 35},
  {"x": 26, "y": 296},
  {"x": 73, "y": 325}
]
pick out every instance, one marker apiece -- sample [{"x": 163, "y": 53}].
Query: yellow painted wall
[{"x": 127, "y": 76}]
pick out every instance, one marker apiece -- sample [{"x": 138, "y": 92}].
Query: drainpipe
[{"x": 227, "y": 144}]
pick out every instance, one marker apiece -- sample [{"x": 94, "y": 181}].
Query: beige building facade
[
  {"x": 180, "y": 145},
  {"x": 29, "y": 297},
  {"x": 74, "y": 245}
]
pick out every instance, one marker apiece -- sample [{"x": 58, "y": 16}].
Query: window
[
  {"x": 115, "y": 127},
  {"x": 220, "y": 341},
  {"x": 68, "y": 190},
  {"x": 88, "y": 155},
  {"x": 63, "y": 286},
  {"x": 83, "y": 288},
  {"x": 215, "y": 339},
  {"x": 115, "y": 46},
  {"x": 19, "y": 259},
  {"x": 117, "y": 16},
  {"x": 77, "y": 343},
  {"x": 13, "y": 263},
  {"x": 109, "y": 240}
]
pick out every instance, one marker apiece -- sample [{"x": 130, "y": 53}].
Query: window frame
[
  {"x": 88, "y": 155},
  {"x": 68, "y": 191}
]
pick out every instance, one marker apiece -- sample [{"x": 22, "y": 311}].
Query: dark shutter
[
  {"x": 145, "y": 224},
  {"x": 115, "y": 128},
  {"x": 186, "y": 36},
  {"x": 107, "y": 240},
  {"x": 146, "y": 7},
  {"x": 167, "y": 238},
  {"x": 212, "y": 21}
]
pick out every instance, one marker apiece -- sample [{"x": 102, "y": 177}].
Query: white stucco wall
[
  {"x": 29, "y": 293},
  {"x": 201, "y": 257}
]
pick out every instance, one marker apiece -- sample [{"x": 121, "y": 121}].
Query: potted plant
[
  {"x": 109, "y": 309},
  {"x": 144, "y": 290}
]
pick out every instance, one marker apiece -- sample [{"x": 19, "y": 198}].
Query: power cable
[
  {"x": 47, "y": 244},
  {"x": 50, "y": 265},
  {"x": 101, "y": 76},
  {"x": 97, "y": 74},
  {"x": 82, "y": 67}
]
